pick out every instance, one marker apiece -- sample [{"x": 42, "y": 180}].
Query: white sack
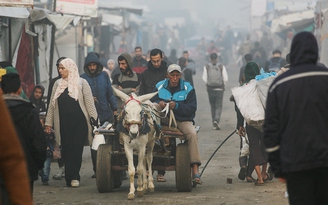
[
  {"x": 263, "y": 88},
  {"x": 249, "y": 103},
  {"x": 98, "y": 139}
]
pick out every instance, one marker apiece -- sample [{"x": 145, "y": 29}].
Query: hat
[{"x": 174, "y": 67}]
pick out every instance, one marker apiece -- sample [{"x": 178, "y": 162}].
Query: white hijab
[{"x": 71, "y": 82}]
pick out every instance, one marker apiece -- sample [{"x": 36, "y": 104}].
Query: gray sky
[{"x": 204, "y": 13}]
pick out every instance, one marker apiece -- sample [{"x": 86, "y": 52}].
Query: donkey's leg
[
  {"x": 149, "y": 158},
  {"x": 141, "y": 168},
  {"x": 144, "y": 177},
  {"x": 131, "y": 168}
]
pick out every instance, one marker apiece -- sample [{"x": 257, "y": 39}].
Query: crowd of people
[{"x": 293, "y": 140}]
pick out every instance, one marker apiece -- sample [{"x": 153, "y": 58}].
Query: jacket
[
  {"x": 296, "y": 115},
  {"x": 30, "y": 132},
  {"x": 184, "y": 96},
  {"x": 86, "y": 103},
  {"x": 101, "y": 88},
  {"x": 40, "y": 105},
  {"x": 276, "y": 60},
  {"x": 127, "y": 81},
  {"x": 13, "y": 167},
  {"x": 151, "y": 76},
  {"x": 139, "y": 65}
]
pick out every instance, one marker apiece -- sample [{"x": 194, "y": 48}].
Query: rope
[{"x": 216, "y": 151}]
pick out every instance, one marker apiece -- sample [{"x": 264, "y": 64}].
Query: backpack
[
  {"x": 214, "y": 75},
  {"x": 274, "y": 65}
]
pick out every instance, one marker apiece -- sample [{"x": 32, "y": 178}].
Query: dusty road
[{"x": 214, "y": 190}]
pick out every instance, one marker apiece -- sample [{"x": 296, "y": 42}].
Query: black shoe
[
  {"x": 45, "y": 183},
  {"x": 94, "y": 176},
  {"x": 242, "y": 173}
]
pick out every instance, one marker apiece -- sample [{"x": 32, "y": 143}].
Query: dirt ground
[{"x": 214, "y": 190}]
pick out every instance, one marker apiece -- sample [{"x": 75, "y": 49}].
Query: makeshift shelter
[
  {"x": 28, "y": 41},
  {"x": 299, "y": 21}
]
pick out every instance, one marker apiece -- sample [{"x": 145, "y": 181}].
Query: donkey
[{"x": 137, "y": 126}]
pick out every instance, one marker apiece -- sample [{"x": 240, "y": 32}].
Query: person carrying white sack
[{"x": 258, "y": 155}]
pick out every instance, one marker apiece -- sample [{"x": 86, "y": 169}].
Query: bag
[
  {"x": 249, "y": 103},
  {"x": 56, "y": 153},
  {"x": 214, "y": 75},
  {"x": 244, "y": 151},
  {"x": 274, "y": 65},
  {"x": 263, "y": 88},
  {"x": 98, "y": 139}
]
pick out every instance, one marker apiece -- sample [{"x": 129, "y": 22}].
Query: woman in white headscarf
[{"x": 70, "y": 108}]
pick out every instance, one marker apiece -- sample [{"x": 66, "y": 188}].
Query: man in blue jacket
[
  {"x": 181, "y": 98},
  {"x": 102, "y": 92},
  {"x": 295, "y": 129}
]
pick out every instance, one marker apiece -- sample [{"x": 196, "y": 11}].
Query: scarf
[
  {"x": 252, "y": 69},
  {"x": 71, "y": 82}
]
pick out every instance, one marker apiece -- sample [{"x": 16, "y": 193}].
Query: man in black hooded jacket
[
  {"x": 296, "y": 119},
  {"x": 27, "y": 124}
]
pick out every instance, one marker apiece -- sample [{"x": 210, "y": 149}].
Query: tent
[{"x": 28, "y": 41}]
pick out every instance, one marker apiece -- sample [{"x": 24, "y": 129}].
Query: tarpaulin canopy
[
  {"x": 60, "y": 21},
  {"x": 290, "y": 21},
  {"x": 14, "y": 12}
]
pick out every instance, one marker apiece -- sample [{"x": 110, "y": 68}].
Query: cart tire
[
  {"x": 104, "y": 176},
  {"x": 182, "y": 169}
]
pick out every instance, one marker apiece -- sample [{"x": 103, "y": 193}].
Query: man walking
[
  {"x": 127, "y": 81},
  {"x": 102, "y": 92},
  {"x": 275, "y": 62},
  {"x": 156, "y": 72},
  {"x": 295, "y": 129},
  {"x": 215, "y": 76},
  {"x": 139, "y": 63}
]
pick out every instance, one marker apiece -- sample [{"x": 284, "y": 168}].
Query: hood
[
  {"x": 17, "y": 106},
  {"x": 161, "y": 68},
  {"x": 32, "y": 99},
  {"x": 252, "y": 69},
  {"x": 92, "y": 58},
  {"x": 304, "y": 49},
  {"x": 128, "y": 59}
]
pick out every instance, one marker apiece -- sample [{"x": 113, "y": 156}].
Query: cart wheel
[
  {"x": 104, "y": 169},
  {"x": 182, "y": 169}
]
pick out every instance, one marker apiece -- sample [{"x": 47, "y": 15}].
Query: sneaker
[
  {"x": 216, "y": 125},
  {"x": 45, "y": 183},
  {"x": 57, "y": 176},
  {"x": 75, "y": 183}
]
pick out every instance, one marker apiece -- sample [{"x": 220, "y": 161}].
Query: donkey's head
[{"x": 133, "y": 111}]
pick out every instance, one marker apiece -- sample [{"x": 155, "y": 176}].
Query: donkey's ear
[
  {"x": 120, "y": 94},
  {"x": 145, "y": 97}
]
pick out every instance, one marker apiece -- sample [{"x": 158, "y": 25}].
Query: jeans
[
  {"x": 45, "y": 172},
  {"x": 216, "y": 98}
]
